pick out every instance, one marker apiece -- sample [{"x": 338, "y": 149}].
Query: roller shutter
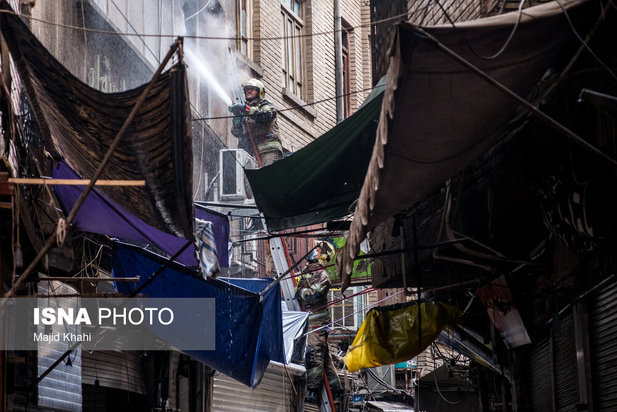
[
  {"x": 118, "y": 370},
  {"x": 273, "y": 394},
  {"x": 540, "y": 376},
  {"x": 603, "y": 342},
  {"x": 564, "y": 363}
]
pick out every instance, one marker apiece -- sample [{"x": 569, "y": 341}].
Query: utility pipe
[{"x": 338, "y": 61}]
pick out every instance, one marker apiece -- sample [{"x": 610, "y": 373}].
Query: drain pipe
[{"x": 338, "y": 61}]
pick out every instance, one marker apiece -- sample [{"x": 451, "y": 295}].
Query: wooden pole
[{"x": 74, "y": 182}]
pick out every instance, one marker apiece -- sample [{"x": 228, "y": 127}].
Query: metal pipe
[{"x": 338, "y": 61}]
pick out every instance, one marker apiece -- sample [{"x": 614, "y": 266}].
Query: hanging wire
[
  {"x": 583, "y": 42},
  {"x": 505, "y": 45},
  {"x": 327, "y": 99},
  {"x": 160, "y": 35},
  {"x": 351, "y": 314}
]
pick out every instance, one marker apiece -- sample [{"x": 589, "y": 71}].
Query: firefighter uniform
[{"x": 313, "y": 296}]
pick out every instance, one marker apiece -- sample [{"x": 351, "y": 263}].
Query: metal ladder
[{"x": 279, "y": 256}]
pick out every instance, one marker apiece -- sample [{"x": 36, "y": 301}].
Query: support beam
[{"x": 74, "y": 182}]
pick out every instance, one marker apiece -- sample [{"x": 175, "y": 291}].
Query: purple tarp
[{"x": 100, "y": 215}]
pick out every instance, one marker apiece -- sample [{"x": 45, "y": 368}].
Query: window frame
[
  {"x": 244, "y": 38},
  {"x": 346, "y": 54},
  {"x": 292, "y": 46}
]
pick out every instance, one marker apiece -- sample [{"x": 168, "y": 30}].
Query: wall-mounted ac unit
[{"x": 232, "y": 163}]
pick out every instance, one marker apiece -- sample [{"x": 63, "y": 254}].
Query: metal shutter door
[
  {"x": 540, "y": 376},
  {"x": 564, "y": 361},
  {"x": 603, "y": 343},
  {"x": 273, "y": 394},
  {"x": 119, "y": 370}
]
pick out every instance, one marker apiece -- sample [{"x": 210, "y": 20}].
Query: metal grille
[{"x": 603, "y": 342}]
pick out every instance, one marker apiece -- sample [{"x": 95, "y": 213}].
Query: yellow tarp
[{"x": 390, "y": 334}]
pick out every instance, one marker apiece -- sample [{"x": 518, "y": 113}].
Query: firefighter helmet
[
  {"x": 328, "y": 253},
  {"x": 256, "y": 84}
]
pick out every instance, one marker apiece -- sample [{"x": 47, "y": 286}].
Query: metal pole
[
  {"x": 534, "y": 110},
  {"x": 338, "y": 61},
  {"x": 51, "y": 241}
]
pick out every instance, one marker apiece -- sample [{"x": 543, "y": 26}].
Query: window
[
  {"x": 346, "y": 74},
  {"x": 245, "y": 27},
  {"x": 291, "y": 45},
  {"x": 342, "y": 310}
]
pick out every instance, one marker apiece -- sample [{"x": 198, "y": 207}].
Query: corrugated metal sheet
[
  {"x": 603, "y": 342},
  {"x": 273, "y": 394},
  {"x": 61, "y": 389},
  {"x": 119, "y": 370},
  {"x": 566, "y": 373},
  {"x": 540, "y": 376}
]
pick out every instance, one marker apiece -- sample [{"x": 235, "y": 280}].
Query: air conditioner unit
[{"x": 232, "y": 163}]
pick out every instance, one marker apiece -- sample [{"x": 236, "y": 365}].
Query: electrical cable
[
  {"x": 351, "y": 314},
  {"x": 256, "y": 39},
  {"x": 197, "y": 12},
  {"x": 505, "y": 45},
  {"x": 384, "y": 383},
  {"x": 295, "y": 107},
  {"x": 595, "y": 56}
]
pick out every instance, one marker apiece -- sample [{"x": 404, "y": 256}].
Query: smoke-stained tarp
[
  {"x": 78, "y": 124},
  {"x": 99, "y": 214},
  {"x": 249, "y": 333},
  {"x": 438, "y": 116},
  {"x": 321, "y": 181},
  {"x": 391, "y": 334}
]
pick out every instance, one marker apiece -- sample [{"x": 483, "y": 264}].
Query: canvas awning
[
  {"x": 437, "y": 115},
  {"x": 249, "y": 331},
  {"x": 78, "y": 124},
  {"x": 321, "y": 181}
]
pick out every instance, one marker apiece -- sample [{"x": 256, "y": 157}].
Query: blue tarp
[{"x": 249, "y": 333}]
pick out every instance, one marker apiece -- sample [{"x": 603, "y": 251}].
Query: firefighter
[
  {"x": 312, "y": 294},
  {"x": 255, "y": 124}
]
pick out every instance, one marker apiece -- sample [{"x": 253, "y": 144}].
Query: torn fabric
[
  {"x": 437, "y": 116},
  {"x": 78, "y": 124}
]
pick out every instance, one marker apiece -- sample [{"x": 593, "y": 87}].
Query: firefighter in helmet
[
  {"x": 255, "y": 124},
  {"x": 312, "y": 294}
]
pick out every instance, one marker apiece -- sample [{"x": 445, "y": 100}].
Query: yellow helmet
[
  {"x": 328, "y": 253},
  {"x": 257, "y": 84}
]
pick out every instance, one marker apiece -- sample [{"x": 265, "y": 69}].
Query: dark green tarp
[{"x": 321, "y": 181}]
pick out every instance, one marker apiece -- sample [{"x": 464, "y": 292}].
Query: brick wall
[{"x": 301, "y": 126}]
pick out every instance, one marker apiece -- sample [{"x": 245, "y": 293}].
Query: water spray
[{"x": 205, "y": 72}]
